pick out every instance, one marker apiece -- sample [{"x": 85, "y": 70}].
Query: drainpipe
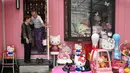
[{"x": 3, "y": 24}]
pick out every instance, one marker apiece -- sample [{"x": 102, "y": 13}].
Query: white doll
[{"x": 79, "y": 61}]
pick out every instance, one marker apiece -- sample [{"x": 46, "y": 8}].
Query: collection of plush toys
[
  {"x": 75, "y": 59},
  {"x": 65, "y": 55}
]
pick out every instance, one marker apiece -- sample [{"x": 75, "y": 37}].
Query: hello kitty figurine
[
  {"x": 55, "y": 43},
  {"x": 10, "y": 51},
  {"x": 78, "y": 49},
  {"x": 79, "y": 61}
]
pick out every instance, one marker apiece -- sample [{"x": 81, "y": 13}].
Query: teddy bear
[{"x": 55, "y": 43}]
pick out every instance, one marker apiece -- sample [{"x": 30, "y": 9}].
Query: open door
[{"x": 41, "y": 8}]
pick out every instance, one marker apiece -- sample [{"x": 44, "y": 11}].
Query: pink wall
[
  {"x": 14, "y": 20},
  {"x": 1, "y": 45},
  {"x": 122, "y": 19},
  {"x": 57, "y": 17}
]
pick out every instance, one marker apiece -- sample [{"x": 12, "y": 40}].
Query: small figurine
[
  {"x": 129, "y": 63},
  {"x": 117, "y": 53},
  {"x": 78, "y": 49},
  {"x": 80, "y": 62},
  {"x": 55, "y": 43},
  {"x": 10, "y": 51},
  {"x": 101, "y": 62}
]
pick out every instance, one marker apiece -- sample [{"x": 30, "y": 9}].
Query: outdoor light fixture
[{"x": 17, "y": 4}]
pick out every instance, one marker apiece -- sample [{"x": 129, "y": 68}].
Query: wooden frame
[{"x": 68, "y": 19}]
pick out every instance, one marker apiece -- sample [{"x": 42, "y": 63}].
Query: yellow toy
[
  {"x": 101, "y": 62},
  {"x": 127, "y": 70}
]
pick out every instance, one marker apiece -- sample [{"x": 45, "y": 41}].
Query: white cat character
[
  {"x": 78, "y": 49},
  {"x": 79, "y": 61},
  {"x": 10, "y": 51},
  {"x": 107, "y": 44},
  {"x": 55, "y": 43}
]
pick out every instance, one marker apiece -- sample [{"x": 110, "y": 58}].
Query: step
[{"x": 33, "y": 67}]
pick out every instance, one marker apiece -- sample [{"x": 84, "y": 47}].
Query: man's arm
[{"x": 40, "y": 19}]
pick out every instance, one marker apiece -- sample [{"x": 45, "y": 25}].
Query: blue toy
[
  {"x": 129, "y": 63},
  {"x": 117, "y": 53}
]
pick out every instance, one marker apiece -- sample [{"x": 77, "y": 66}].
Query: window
[{"x": 84, "y": 17}]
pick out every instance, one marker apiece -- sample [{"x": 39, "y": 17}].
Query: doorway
[{"x": 41, "y": 8}]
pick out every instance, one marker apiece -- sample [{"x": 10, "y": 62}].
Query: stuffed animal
[
  {"x": 80, "y": 62},
  {"x": 82, "y": 30},
  {"x": 55, "y": 43},
  {"x": 101, "y": 62},
  {"x": 107, "y": 44},
  {"x": 78, "y": 49},
  {"x": 10, "y": 51}
]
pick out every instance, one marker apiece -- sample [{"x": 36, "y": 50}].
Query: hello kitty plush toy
[
  {"x": 55, "y": 43},
  {"x": 80, "y": 62},
  {"x": 107, "y": 43},
  {"x": 78, "y": 49},
  {"x": 10, "y": 51}
]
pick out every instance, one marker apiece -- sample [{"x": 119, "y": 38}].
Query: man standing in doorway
[{"x": 39, "y": 29}]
